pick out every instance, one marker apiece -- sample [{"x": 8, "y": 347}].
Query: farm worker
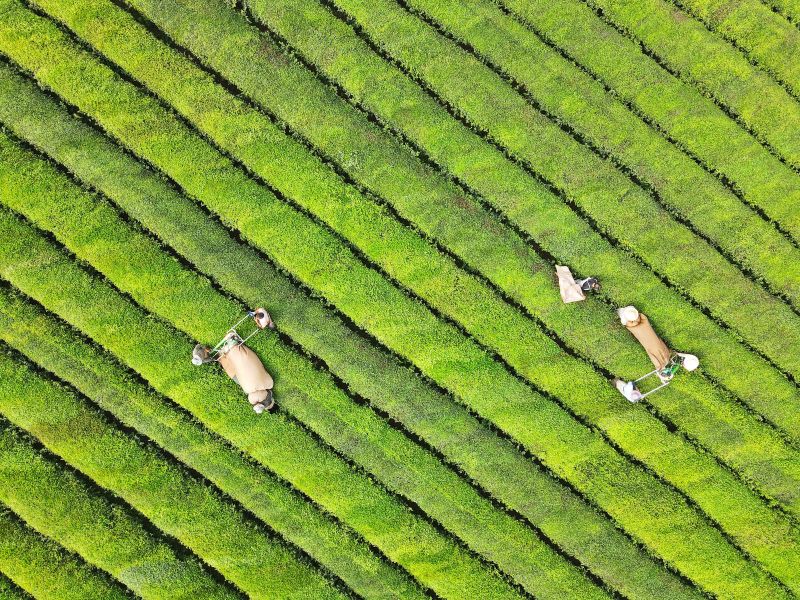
[
  {"x": 639, "y": 325},
  {"x": 245, "y": 368},
  {"x": 242, "y": 364},
  {"x": 665, "y": 362},
  {"x": 571, "y": 290}
]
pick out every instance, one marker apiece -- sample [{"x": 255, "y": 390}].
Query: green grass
[
  {"x": 107, "y": 534},
  {"x": 502, "y": 273},
  {"x": 159, "y": 354},
  {"x": 10, "y": 591},
  {"x": 573, "y": 97},
  {"x": 54, "y": 347},
  {"x": 610, "y": 464},
  {"x": 475, "y": 301},
  {"x": 210, "y": 525},
  {"x": 486, "y": 458},
  {"x": 403, "y": 466},
  {"x": 622, "y": 209},
  {"x": 765, "y": 37},
  {"x": 676, "y": 106},
  {"x": 395, "y": 181},
  {"x": 47, "y": 570},
  {"x": 724, "y": 73},
  {"x": 734, "y": 519}
]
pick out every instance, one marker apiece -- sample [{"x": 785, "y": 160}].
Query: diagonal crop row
[
  {"x": 11, "y": 591},
  {"x": 159, "y": 354},
  {"x": 173, "y": 499},
  {"x": 787, "y": 489},
  {"x": 353, "y": 430},
  {"x": 482, "y": 311},
  {"x": 373, "y": 170},
  {"x": 570, "y": 242},
  {"x": 385, "y": 452},
  {"x": 620, "y": 206},
  {"x": 367, "y": 149},
  {"x": 545, "y": 428},
  {"x": 788, "y": 9},
  {"x": 565, "y": 93},
  {"x": 60, "y": 505},
  {"x": 490, "y": 460},
  {"x": 766, "y": 38},
  {"x": 48, "y": 571},
  {"x": 278, "y": 87},
  {"x": 784, "y": 490},
  {"x": 569, "y": 92},
  {"x": 724, "y": 74},
  {"x": 372, "y": 81},
  {"x": 585, "y": 129},
  {"x": 96, "y": 376},
  {"x": 657, "y": 93}
]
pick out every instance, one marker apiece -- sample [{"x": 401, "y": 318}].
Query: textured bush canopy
[{"x": 395, "y": 181}]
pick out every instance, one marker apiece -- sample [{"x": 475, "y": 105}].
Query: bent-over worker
[
  {"x": 666, "y": 362},
  {"x": 245, "y": 368},
  {"x": 242, "y": 364},
  {"x": 571, "y": 290},
  {"x": 639, "y": 325}
]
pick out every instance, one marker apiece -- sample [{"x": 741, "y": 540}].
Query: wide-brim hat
[
  {"x": 628, "y": 314},
  {"x": 690, "y": 362}
]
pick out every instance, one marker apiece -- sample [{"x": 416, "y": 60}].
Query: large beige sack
[
  {"x": 656, "y": 348},
  {"x": 244, "y": 366},
  {"x": 570, "y": 291}
]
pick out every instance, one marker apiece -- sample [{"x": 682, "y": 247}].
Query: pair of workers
[
  {"x": 665, "y": 361},
  {"x": 242, "y": 364}
]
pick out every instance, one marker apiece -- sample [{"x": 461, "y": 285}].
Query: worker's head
[
  {"x": 594, "y": 285},
  {"x": 263, "y": 319},
  {"x": 200, "y": 354},
  {"x": 628, "y": 315},
  {"x": 261, "y": 400},
  {"x": 258, "y": 396},
  {"x": 690, "y": 362}
]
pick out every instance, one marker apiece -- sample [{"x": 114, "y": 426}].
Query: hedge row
[
  {"x": 620, "y": 207},
  {"x": 675, "y": 106},
  {"x": 648, "y": 448},
  {"x": 58, "y": 504},
  {"x": 175, "y": 501},
  {"x": 492, "y": 461},
  {"x": 560, "y": 232},
  {"x": 723, "y": 73},
  {"x": 330, "y": 44},
  {"x": 766, "y": 37},
  {"x": 160, "y": 355},
  {"x": 10, "y": 591},
  {"x": 579, "y": 102},
  {"x": 496, "y": 321},
  {"x": 666, "y": 525},
  {"x": 354, "y": 430},
  {"x": 376, "y": 167},
  {"x": 789, "y": 9},
  {"x": 491, "y": 319},
  {"x": 54, "y": 347},
  {"x": 46, "y": 570}
]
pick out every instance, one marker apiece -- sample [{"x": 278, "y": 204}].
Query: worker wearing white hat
[
  {"x": 666, "y": 362},
  {"x": 241, "y": 363},
  {"x": 639, "y": 325}
]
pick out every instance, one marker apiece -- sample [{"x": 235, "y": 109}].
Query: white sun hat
[
  {"x": 690, "y": 361},
  {"x": 628, "y": 314}
]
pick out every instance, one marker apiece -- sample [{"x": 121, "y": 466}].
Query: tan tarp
[
  {"x": 656, "y": 348},
  {"x": 243, "y": 366},
  {"x": 570, "y": 291}
]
